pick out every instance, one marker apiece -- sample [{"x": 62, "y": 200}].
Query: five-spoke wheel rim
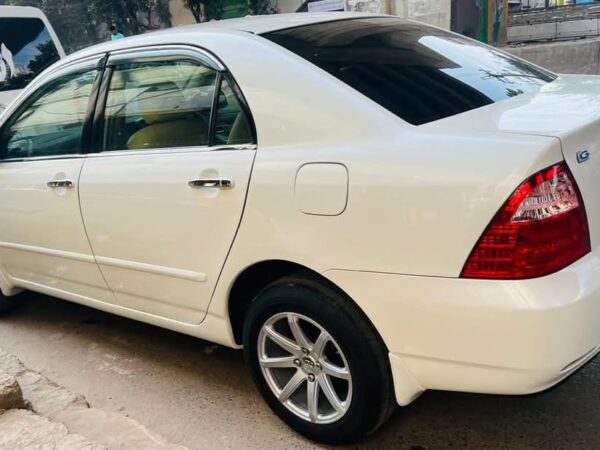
[{"x": 305, "y": 368}]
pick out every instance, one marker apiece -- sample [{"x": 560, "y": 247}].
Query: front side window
[
  {"x": 50, "y": 123},
  {"x": 417, "y": 72},
  {"x": 26, "y": 48},
  {"x": 159, "y": 104}
]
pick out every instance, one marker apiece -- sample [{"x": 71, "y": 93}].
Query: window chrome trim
[
  {"x": 43, "y": 158},
  {"x": 234, "y": 147},
  {"x": 165, "y": 53},
  {"x": 91, "y": 61},
  {"x": 171, "y": 150},
  {"x": 152, "y": 151}
]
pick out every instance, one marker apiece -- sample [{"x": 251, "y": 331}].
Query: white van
[{"x": 28, "y": 45}]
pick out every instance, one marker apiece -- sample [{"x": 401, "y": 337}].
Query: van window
[
  {"x": 417, "y": 72},
  {"x": 26, "y": 49}
]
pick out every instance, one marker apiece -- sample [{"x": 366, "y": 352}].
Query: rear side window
[
  {"x": 417, "y": 72},
  {"x": 26, "y": 49},
  {"x": 159, "y": 104},
  {"x": 232, "y": 126}
]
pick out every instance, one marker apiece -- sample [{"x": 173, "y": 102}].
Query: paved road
[{"x": 201, "y": 396}]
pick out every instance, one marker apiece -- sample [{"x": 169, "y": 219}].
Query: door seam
[
  {"x": 87, "y": 235},
  {"x": 237, "y": 230}
]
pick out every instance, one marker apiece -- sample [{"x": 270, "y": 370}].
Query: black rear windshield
[
  {"x": 419, "y": 73},
  {"x": 26, "y": 48}
]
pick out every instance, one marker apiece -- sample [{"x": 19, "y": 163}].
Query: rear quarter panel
[
  {"x": 586, "y": 172},
  {"x": 418, "y": 199}
]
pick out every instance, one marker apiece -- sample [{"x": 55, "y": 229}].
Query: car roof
[{"x": 190, "y": 33}]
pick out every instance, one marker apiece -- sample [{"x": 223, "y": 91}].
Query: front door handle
[
  {"x": 220, "y": 183},
  {"x": 60, "y": 184}
]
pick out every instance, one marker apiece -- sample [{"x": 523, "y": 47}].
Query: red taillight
[{"x": 541, "y": 229}]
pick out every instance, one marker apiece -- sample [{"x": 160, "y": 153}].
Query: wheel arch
[{"x": 259, "y": 275}]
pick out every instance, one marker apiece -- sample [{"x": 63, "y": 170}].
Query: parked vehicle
[
  {"x": 28, "y": 45},
  {"x": 371, "y": 207}
]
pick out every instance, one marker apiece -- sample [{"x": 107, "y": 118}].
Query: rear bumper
[{"x": 499, "y": 337}]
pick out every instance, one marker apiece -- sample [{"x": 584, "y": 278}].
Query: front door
[
  {"x": 163, "y": 197},
  {"x": 43, "y": 243}
]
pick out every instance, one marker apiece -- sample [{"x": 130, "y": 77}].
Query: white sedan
[{"x": 370, "y": 207}]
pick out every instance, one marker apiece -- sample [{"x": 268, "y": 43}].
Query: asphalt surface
[{"x": 200, "y": 395}]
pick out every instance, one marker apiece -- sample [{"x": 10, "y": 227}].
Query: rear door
[
  {"x": 43, "y": 244},
  {"x": 163, "y": 196}
]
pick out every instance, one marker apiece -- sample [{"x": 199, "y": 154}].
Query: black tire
[
  {"x": 373, "y": 399},
  {"x": 7, "y": 304}
]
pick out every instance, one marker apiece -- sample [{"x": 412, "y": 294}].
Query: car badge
[{"x": 583, "y": 156}]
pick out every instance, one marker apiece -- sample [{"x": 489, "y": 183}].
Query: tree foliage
[
  {"x": 205, "y": 10},
  {"x": 213, "y": 9},
  {"x": 81, "y": 23},
  {"x": 261, "y": 7},
  {"x": 46, "y": 56}
]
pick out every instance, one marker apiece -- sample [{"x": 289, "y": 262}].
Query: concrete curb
[
  {"x": 58, "y": 404},
  {"x": 24, "y": 429}
]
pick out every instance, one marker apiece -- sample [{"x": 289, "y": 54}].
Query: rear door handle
[
  {"x": 60, "y": 184},
  {"x": 220, "y": 183}
]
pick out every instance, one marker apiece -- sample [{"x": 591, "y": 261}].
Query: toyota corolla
[{"x": 369, "y": 206}]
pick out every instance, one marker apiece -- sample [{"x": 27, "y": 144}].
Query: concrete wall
[
  {"x": 582, "y": 56},
  {"x": 434, "y": 12}
]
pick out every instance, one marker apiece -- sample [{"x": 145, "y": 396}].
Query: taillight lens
[{"x": 541, "y": 229}]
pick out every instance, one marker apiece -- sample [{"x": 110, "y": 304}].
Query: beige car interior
[
  {"x": 166, "y": 123},
  {"x": 170, "y": 127},
  {"x": 240, "y": 130},
  {"x": 170, "y": 117}
]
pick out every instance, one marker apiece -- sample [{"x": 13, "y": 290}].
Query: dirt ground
[{"x": 200, "y": 395}]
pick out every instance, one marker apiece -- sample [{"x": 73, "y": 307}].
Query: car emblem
[{"x": 583, "y": 156}]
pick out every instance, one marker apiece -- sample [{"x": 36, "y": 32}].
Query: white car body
[
  {"x": 387, "y": 211},
  {"x": 26, "y": 12}
]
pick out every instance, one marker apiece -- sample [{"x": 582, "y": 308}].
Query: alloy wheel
[{"x": 305, "y": 368}]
